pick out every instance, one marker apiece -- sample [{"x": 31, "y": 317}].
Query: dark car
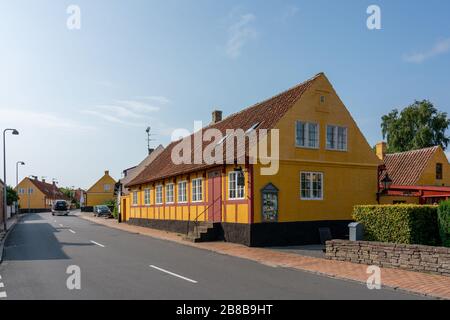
[
  {"x": 102, "y": 211},
  {"x": 60, "y": 208}
]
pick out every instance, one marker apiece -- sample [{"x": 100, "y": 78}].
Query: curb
[{"x": 2, "y": 243}]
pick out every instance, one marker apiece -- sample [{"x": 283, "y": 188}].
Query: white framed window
[
  {"x": 197, "y": 190},
  {"x": 235, "y": 191},
  {"x": 170, "y": 193},
  {"x": 307, "y": 135},
  {"x": 107, "y": 187},
  {"x": 311, "y": 185},
  {"x": 30, "y": 190},
  {"x": 159, "y": 194},
  {"x": 336, "y": 138},
  {"x": 147, "y": 197},
  {"x": 21, "y": 191},
  {"x": 135, "y": 198},
  {"x": 182, "y": 192}
]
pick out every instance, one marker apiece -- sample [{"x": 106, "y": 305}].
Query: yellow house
[
  {"x": 325, "y": 167},
  {"x": 37, "y": 196},
  {"x": 417, "y": 176},
  {"x": 101, "y": 192}
]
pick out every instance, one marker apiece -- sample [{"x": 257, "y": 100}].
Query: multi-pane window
[
  {"x": 439, "y": 171},
  {"x": 135, "y": 198},
  {"x": 21, "y": 191},
  {"x": 311, "y": 185},
  {"x": 170, "y": 193},
  {"x": 159, "y": 194},
  {"x": 107, "y": 187},
  {"x": 336, "y": 138},
  {"x": 182, "y": 192},
  {"x": 147, "y": 197},
  {"x": 307, "y": 135},
  {"x": 197, "y": 190},
  {"x": 30, "y": 190},
  {"x": 235, "y": 191}
]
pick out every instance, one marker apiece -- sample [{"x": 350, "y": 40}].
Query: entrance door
[
  {"x": 124, "y": 210},
  {"x": 215, "y": 196}
]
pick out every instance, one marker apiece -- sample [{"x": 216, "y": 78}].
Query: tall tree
[
  {"x": 11, "y": 196},
  {"x": 419, "y": 125}
]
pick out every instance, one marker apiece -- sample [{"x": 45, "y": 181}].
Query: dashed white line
[
  {"x": 3, "y": 294},
  {"x": 98, "y": 244},
  {"x": 72, "y": 231},
  {"x": 61, "y": 225},
  {"x": 173, "y": 274},
  {"x": 2, "y": 285}
]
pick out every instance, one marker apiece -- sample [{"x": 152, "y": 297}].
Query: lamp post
[
  {"x": 17, "y": 171},
  {"x": 17, "y": 181},
  {"x": 5, "y": 207}
]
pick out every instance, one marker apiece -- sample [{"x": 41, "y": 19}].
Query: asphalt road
[{"x": 119, "y": 265}]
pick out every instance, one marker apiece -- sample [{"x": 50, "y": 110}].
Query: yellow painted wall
[
  {"x": 231, "y": 212},
  {"x": 96, "y": 195},
  {"x": 428, "y": 177},
  {"x": 350, "y": 177},
  {"x": 392, "y": 199},
  {"x": 36, "y": 200}
]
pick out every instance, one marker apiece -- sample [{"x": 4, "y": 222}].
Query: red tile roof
[
  {"x": 406, "y": 168},
  {"x": 51, "y": 191},
  {"x": 266, "y": 113}
]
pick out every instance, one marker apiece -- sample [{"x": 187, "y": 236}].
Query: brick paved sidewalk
[{"x": 419, "y": 283}]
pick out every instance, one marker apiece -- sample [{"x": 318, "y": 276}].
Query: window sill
[
  {"x": 336, "y": 150},
  {"x": 307, "y": 148},
  {"x": 311, "y": 199}
]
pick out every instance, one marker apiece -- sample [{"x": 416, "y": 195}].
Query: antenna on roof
[{"x": 148, "y": 130}]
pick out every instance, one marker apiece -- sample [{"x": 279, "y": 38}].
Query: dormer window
[{"x": 253, "y": 127}]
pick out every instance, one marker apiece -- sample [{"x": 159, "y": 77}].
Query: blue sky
[{"x": 83, "y": 98}]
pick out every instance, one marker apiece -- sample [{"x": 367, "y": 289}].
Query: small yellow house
[
  {"x": 325, "y": 168},
  {"x": 37, "y": 196},
  {"x": 101, "y": 192},
  {"x": 417, "y": 176}
]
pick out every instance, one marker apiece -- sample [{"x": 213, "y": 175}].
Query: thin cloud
[
  {"x": 28, "y": 118},
  {"x": 239, "y": 34},
  {"x": 289, "y": 12},
  {"x": 157, "y": 99},
  {"x": 441, "y": 47},
  {"x": 125, "y": 112}
]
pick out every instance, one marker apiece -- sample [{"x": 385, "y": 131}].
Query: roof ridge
[
  {"x": 412, "y": 151},
  {"x": 271, "y": 98}
]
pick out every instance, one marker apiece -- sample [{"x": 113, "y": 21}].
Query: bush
[
  {"x": 444, "y": 222},
  {"x": 405, "y": 224}
]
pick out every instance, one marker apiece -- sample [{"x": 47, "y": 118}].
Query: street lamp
[
  {"x": 5, "y": 207},
  {"x": 17, "y": 180},
  {"x": 17, "y": 171},
  {"x": 387, "y": 182}
]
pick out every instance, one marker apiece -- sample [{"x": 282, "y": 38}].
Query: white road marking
[
  {"x": 72, "y": 231},
  {"x": 98, "y": 244},
  {"x": 3, "y": 294},
  {"x": 172, "y": 274},
  {"x": 61, "y": 225},
  {"x": 2, "y": 285}
]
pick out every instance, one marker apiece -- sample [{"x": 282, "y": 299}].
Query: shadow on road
[{"x": 34, "y": 241}]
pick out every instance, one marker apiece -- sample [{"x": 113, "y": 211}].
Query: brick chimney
[
  {"x": 43, "y": 180},
  {"x": 381, "y": 149},
  {"x": 106, "y": 172},
  {"x": 216, "y": 116}
]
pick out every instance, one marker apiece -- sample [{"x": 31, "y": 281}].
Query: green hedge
[
  {"x": 405, "y": 224},
  {"x": 444, "y": 222}
]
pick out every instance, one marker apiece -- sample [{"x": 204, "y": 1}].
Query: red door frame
[{"x": 215, "y": 195}]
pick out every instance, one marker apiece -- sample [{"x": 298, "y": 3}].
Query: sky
[{"x": 82, "y": 98}]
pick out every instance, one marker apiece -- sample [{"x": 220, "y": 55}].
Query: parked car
[
  {"x": 60, "y": 208},
  {"x": 102, "y": 211}
]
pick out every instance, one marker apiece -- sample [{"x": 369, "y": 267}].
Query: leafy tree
[
  {"x": 11, "y": 196},
  {"x": 418, "y": 126}
]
